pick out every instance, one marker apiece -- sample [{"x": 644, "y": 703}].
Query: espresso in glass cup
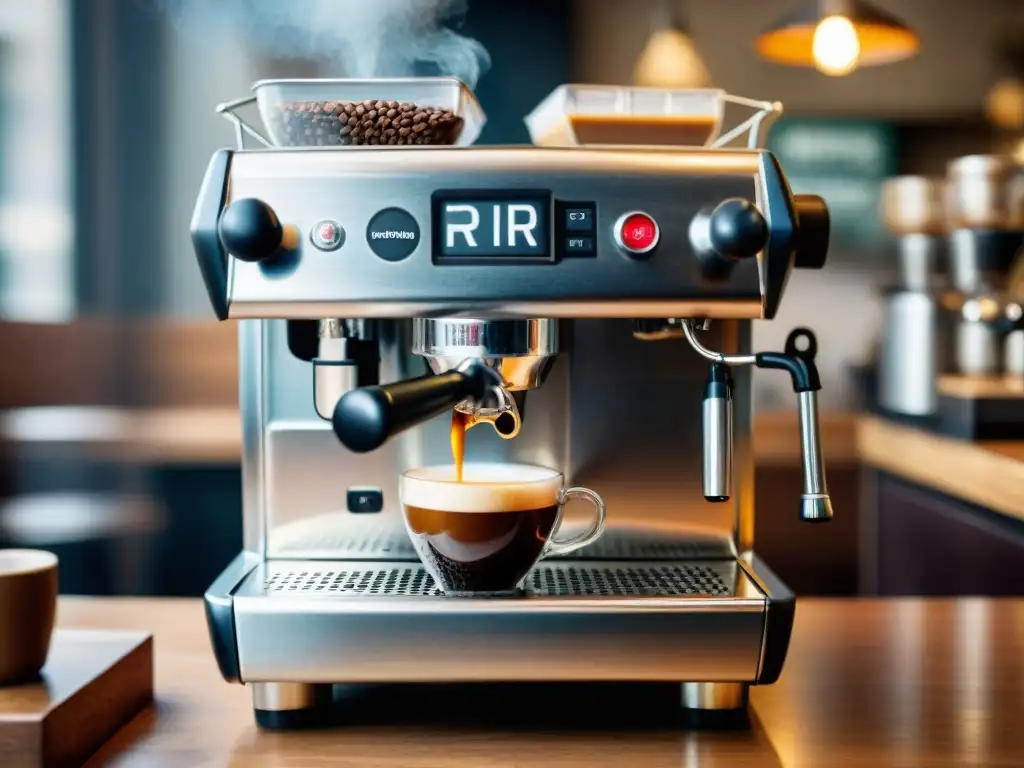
[{"x": 481, "y": 536}]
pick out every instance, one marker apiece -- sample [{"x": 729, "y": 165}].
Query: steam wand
[{"x": 815, "y": 504}]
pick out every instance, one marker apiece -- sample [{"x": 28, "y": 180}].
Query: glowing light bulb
[{"x": 836, "y": 47}]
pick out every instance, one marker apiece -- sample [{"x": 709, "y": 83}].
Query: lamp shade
[
  {"x": 871, "y": 36},
  {"x": 671, "y": 60}
]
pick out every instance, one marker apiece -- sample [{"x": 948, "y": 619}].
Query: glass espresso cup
[{"x": 482, "y": 535}]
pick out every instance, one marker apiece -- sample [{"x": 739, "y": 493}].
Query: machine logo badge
[{"x": 393, "y": 234}]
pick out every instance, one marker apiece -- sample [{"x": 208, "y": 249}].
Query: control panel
[{"x": 509, "y": 231}]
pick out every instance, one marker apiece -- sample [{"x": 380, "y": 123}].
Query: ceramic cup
[{"x": 28, "y": 606}]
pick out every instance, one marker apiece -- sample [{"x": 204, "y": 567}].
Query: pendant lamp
[
  {"x": 670, "y": 59},
  {"x": 837, "y": 36}
]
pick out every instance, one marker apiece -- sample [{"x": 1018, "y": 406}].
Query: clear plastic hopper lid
[
  {"x": 424, "y": 111},
  {"x": 588, "y": 115}
]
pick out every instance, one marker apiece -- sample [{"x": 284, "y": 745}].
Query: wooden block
[
  {"x": 94, "y": 682},
  {"x": 982, "y": 387}
]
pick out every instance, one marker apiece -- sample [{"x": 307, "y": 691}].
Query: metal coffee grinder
[
  {"x": 912, "y": 347},
  {"x": 591, "y": 304},
  {"x": 985, "y": 214}
]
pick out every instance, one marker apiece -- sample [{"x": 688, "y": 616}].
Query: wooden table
[
  {"x": 987, "y": 473},
  {"x": 868, "y": 683}
]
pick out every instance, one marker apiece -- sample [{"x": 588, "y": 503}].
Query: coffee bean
[{"x": 370, "y": 122}]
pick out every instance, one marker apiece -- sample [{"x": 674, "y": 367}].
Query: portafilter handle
[
  {"x": 367, "y": 417},
  {"x": 815, "y": 504}
]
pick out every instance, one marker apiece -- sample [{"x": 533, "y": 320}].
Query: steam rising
[{"x": 361, "y": 38}]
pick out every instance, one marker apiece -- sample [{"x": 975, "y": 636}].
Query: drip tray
[{"x": 365, "y": 622}]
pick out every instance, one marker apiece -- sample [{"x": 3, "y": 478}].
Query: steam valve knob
[
  {"x": 737, "y": 230},
  {"x": 722, "y": 237},
  {"x": 250, "y": 230}
]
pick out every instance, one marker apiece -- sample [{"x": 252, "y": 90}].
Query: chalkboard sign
[{"x": 843, "y": 161}]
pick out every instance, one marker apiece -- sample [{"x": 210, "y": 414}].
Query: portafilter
[{"x": 480, "y": 367}]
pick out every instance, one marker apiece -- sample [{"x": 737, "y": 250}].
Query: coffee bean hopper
[{"x": 591, "y": 303}]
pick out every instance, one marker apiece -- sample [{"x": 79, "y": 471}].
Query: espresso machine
[{"x": 589, "y": 307}]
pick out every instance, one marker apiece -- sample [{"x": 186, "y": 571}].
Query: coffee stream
[
  {"x": 458, "y": 441},
  {"x": 507, "y": 424}
]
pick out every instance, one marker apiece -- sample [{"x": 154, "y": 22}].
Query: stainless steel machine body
[{"x": 328, "y": 589}]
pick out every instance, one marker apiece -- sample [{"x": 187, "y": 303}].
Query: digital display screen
[{"x": 499, "y": 226}]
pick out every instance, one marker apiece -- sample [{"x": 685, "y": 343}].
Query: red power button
[{"x": 637, "y": 232}]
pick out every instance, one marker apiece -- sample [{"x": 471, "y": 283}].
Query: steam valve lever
[
  {"x": 721, "y": 238},
  {"x": 250, "y": 230},
  {"x": 365, "y": 418},
  {"x": 716, "y": 419},
  {"x": 815, "y": 504}
]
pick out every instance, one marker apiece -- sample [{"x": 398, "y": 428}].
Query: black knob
[
  {"x": 813, "y": 229},
  {"x": 250, "y": 230},
  {"x": 737, "y": 230}
]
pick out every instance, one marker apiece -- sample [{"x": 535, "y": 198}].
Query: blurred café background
[{"x": 119, "y": 434}]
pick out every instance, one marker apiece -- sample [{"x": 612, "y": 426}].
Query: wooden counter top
[
  {"x": 213, "y": 434},
  {"x": 869, "y": 683},
  {"x": 990, "y": 474}
]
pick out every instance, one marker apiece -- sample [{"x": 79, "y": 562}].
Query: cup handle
[{"x": 565, "y": 546}]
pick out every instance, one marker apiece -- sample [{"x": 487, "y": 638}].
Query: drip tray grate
[
  {"x": 614, "y": 545},
  {"x": 400, "y": 580},
  {"x": 555, "y": 580}
]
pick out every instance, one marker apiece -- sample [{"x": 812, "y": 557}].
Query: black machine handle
[
  {"x": 737, "y": 230},
  {"x": 250, "y": 230},
  {"x": 365, "y": 418},
  {"x": 734, "y": 231},
  {"x": 798, "y": 363}
]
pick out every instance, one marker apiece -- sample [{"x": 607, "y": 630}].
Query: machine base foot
[
  {"x": 290, "y": 706},
  {"x": 714, "y": 706}
]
